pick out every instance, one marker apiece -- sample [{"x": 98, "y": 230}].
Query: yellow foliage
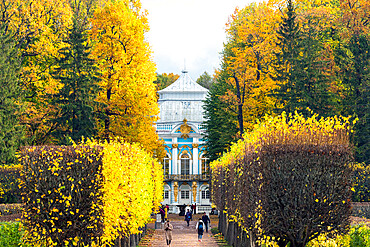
[
  {"x": 121, "y": 196},
  {"x": 247, "y": 55},
  {"x": 128, "y": 95},
  {"x": 291, "y": 129},
  {"x": 39, "y": 28},
  {"x": 130, "y": 189}
]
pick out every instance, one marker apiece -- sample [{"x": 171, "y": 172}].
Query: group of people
[
  {"x": 189, "y": 217},
  {"x": 202, "y": 224}
]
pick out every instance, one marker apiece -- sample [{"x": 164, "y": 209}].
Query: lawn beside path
[{"x": 182, "y": 235}]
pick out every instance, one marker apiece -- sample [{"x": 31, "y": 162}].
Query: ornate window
[{"x": 185, "y": 164}]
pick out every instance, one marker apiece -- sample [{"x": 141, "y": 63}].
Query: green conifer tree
[
  {"x": 205, "y": 80},
  {"x": 221, "y": 124},
  {"x": 300, "y": 70},
  {"x": 355, "y": 62},
  {"x": 11, "y": 97},
  {"x": 75, "y": 101}
]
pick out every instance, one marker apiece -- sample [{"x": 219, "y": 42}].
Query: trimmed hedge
[
  {"x": 288, "y": 180},
  {"x": 87, "y": 195}
]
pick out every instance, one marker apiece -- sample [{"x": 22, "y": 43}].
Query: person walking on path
[
  {"x": 193, "y": 209},
  {"x": 161, "y": 211},
  {"x": 200, "y": 229},
  {"x": 188, "y": 216},
  {"x": 168, "y": 232},
  {"x": 206, "y": 220}
]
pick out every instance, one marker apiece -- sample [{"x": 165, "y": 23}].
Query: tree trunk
[
  {"x": 230, "y": 237},
  {"x": 107, "y": 116},
  {"x": 240, "y": 106}
]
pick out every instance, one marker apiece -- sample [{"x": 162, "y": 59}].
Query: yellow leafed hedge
[
  {"x": 290, "y": 178},
  {"x": 88, "y": 194}
]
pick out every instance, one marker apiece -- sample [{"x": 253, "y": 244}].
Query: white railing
[
  {"x": 183, "y": 177},
  {"x": 167, "y": 127},
  {"x": 202, "y": 209}
]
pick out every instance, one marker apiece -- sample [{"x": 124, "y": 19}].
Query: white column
[
  {"x": 174, "y": 158},
  {"x": 195, "y": 158},
  {"x": 170, "y": 169}
]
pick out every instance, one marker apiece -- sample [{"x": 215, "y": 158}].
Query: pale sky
[{"x": 190, "y": 32}]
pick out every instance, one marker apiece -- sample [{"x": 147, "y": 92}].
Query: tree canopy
[
  {"x": 300, "y": 56},
  {"x": 70, "y": 49}
]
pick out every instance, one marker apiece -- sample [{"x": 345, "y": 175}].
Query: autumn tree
[
  {"x": 128, "y": 72},
  {"x": 38, "y": 29},
  {"x": 11, "y": 99},
  {"x": 246, "y": 61},
  {"x": 75, "y": 101}
]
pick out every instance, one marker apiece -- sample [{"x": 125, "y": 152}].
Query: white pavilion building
[{"x": 186, "y": 170}]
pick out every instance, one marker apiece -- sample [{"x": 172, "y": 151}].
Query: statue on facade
[
  {"x": 194, "y": 191},
  {"x": 185, "y": 129},
  {"x": 175, "y": 191}
]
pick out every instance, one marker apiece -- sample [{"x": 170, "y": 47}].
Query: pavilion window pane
[
  {"x": 185, "y": 194},
  {"x": 166, "y": 194},
  {"x": 185, "y": 165}
]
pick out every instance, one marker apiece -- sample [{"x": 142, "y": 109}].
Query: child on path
[
  {"x": 200, "y": 228},
  {"x": 168, "y": 232}
]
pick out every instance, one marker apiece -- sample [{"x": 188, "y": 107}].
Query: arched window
[
  {"x": 185, "y": 164},
  {"x": 166, "y": 166},
  {"x": 166, "y": 192},
  {"x": 206, "y": 195}
]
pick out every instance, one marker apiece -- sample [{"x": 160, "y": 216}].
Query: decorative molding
[
  {"x": 183, "y": 150},
  {"x": 169, "y": 155},
  {"x": 175, "y": 145},
  {"x": 185, "y": 129},
  {"x": 195, "y": 145}
]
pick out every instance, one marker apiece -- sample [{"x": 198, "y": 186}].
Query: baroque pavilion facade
[{"x": 186, "y": 170}]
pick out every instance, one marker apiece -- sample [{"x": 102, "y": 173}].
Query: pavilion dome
[{"x": 182, "y": 99}]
